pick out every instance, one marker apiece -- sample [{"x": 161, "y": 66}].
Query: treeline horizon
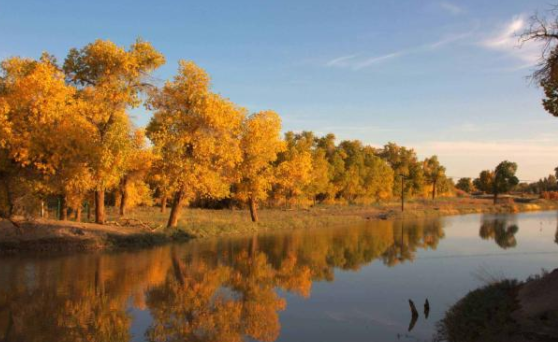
[{"x": 65, "y": 132}]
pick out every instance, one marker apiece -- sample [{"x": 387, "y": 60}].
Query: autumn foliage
[
  {"x": 550, "y": 195},
  {"x": 66, "y": 136}
]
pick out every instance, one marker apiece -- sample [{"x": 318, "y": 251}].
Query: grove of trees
[
  {"x": 498, "y": 181},
  {"x": 66, "y": 136}
]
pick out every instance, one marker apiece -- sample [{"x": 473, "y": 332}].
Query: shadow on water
[
  {"x": 498, "y": 228},
  {"x": 203, "y": 291}
]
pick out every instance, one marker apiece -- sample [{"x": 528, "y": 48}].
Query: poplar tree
[
  {"x": 109, "y": 79},
  {"x": 196, "y": 133},
  {"x": 260, "y": 144}
]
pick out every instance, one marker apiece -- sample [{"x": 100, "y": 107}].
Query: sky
[{"x": 443, "y": 77}]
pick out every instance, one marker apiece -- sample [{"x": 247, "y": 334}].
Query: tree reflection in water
[
  {"x": 217, "y": 290},
  {"x": 499, "y": 229}
]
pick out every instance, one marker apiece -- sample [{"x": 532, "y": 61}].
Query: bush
[
  {"x": 461, "y": 193},
  {"x": 550, "y": 195},
  {"x": 482, "y": 315}
]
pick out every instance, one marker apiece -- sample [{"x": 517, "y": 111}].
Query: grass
[
  {"x": 145, "y": 226},
  {"x": 211, "y": 223}
]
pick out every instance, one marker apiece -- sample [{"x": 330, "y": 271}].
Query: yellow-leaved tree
[
  {"x": 294, "y": 171},
  {"x": 133, "y": 188},
  {"x": 260, "y": 144},
  {"x": 160, "y": 181},
  {"x": 196, "y": 133},
  {"x": 45, "y": 141},
  {"x": 109, "y": 79}
]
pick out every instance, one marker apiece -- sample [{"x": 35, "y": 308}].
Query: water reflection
[
  {"x": 222, "y": 290},
  {"x": 81, "y": 298},
  {"x": 500, "y": 229},
  {"x": 199, "y": 302},
  {"x": 414, "y": 315}
]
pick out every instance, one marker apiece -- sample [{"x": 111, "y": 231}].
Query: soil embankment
[{"x": 67, "y": 236}]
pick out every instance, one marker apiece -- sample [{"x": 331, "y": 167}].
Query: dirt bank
[{"x": 66, "y": 236}]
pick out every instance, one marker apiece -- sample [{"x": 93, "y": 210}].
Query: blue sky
[{"x": 444, "y": 77}]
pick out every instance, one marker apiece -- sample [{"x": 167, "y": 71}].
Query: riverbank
[
  {"x": 505, "y": 311},
  {"x": 213, "y": 223},
  {"x": 58, "y": 236},
  {"x": 145, "y": 227}
]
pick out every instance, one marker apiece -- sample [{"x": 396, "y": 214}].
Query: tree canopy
[{"x": 66, "y": 132}]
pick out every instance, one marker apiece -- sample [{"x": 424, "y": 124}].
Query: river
[{"x": 344, "y": 284}]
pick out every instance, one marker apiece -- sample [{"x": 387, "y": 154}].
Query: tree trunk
[
  {"x": 100, "y": 206},
  {"x": 164, "y": 203},
  {"x": 8, "y": 332},
  {"x": 63, "y": 208},
  {"x": 99, "y": 278},
  {"x": 495, "y": 197},
  {"x": 253, "y": 247},
  {"x": 124, "y": 194},
  {"x": 402, "y": 194},
  {"x": 433, "y": 190},
  {"x": 78, "y": 213},
  {"x": 9, "y": 200},
  {"x": 253, "y": 209},
  {"x": 43, "y": 209},
  {"x": 176, "y": 266},
  {"x": 175, "y": 210}
]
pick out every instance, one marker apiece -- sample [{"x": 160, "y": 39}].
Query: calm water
[{"x": 348, "y": 284}]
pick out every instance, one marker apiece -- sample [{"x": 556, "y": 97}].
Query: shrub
[
  {"x": 550, "y": 195},
  {"x": 482, "y": 315}
]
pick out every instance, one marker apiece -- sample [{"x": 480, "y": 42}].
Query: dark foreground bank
[{"x": 505, "y": 311}]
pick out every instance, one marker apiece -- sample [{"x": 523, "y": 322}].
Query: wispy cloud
[
  {"x": 355, "y": 63},
  {"x": 448, "y": 40},
  {"x": 506, "y": 40},
  {"x": 451, "y": 8},
  {"x": 340, "y": 61},
  {"x": 375, "y": 60}
]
